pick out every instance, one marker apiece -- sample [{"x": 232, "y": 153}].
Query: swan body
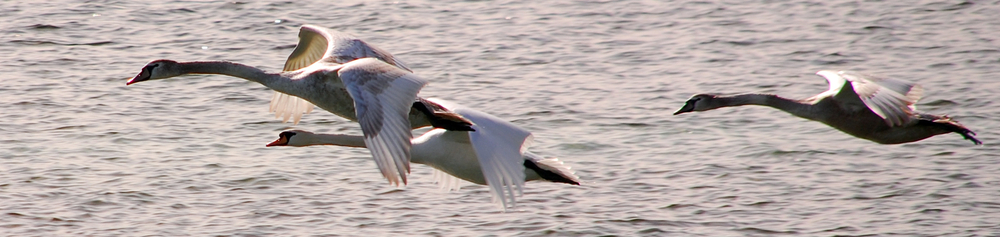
[
  {"x": 878, "y": 109},
  {"x": 316, "y": 44},
  {"x": 346, "y": 77},
  {"x": 494, "y": 154}
]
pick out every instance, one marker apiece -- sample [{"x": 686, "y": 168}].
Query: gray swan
[
  {"x": 865, "y": 106},
  {"x": 346, "y": 77},
  {"x": 494, "y": 154}
]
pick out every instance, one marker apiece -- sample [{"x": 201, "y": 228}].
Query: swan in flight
[
  {"x": 878, "y": 109},
  {"x": 494, "y": 154},
  {"x": 325, "y": 70}
]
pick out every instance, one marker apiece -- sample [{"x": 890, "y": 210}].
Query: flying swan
[
  {"x": 346, "y": 77},
  {"x": 868, "y": 107},
  {"x": 494, "y": 154}
]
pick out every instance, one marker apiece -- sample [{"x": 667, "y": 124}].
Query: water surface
[{"x": 596, "y": 81}]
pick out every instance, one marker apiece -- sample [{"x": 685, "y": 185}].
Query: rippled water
[{"x": 596, "y": 81}]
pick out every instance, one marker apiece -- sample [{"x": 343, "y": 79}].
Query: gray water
[{"x": 596, "y": 81}]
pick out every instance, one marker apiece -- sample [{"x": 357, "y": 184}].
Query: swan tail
[
  {"x": 447, "y": 181},
  {"x": 287, "y": 107},
  {"x": 946, "y": 123}
]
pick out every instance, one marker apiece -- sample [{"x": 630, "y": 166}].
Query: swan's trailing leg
[{"x": 439, "y": 117}]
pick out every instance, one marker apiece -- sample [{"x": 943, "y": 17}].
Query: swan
[
  {"x": 441, "y": 149},
  {"x": 865, "y": 106},
  {"x": 317, "y": 44},
  {"x": 346, "y": 77},
  {"x": 465, "y": 155}
]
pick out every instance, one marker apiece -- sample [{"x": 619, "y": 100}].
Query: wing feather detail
[
  {"x": 499, "y": 146},
  {"x": 317, "y": 44},
  {"x": 383, "y": 95},
  {"x": 892, "y": 99}
]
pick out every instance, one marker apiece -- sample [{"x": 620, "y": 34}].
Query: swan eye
[
  {"x": 286, "y": 135},
  {"x": 151, "y": 67}
]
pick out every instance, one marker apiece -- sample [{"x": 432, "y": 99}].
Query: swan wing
[
  {"x": 841, "y": 91},
  {"x": 383, "y": 95},
  {"x": 499, "y": 146},
  {"x": 318, "y": 43},
  {"x": 313, "y": 45},
  {"x": 892, "y": 99},
  {"x": 344, "y": 48}
]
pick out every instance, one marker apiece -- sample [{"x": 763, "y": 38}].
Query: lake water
[{"x": 596, "y": 81}]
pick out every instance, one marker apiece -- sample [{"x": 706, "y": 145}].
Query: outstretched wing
[
  {"x": 892, "y": 99},
  {"x": 319, "y": 43},
  {"x": 383, "y": 95},
  {"x": 499, "y": 145}
]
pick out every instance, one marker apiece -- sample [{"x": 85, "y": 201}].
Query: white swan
[
  {"x": 376, "y": 94},
  {"x": 873, "y": 108},
  {"x": 492, "y": 155}
]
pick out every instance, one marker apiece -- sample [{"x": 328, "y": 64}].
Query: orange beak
[
  {"x": 141, "y": 77},
  {"x": 133, "y": 80},
  {"x": 282, "y": 141}
]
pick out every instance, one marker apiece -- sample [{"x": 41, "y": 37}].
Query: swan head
[
  {"x": 699, "y": 102},
  {"x": 291, "y": 138},
  {"x": 157, "y": 69}
]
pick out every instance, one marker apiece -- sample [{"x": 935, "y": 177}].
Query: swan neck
[
  {"x": 230, "y": 69},
  {"x": 791, "y": 106},
  {"x": 745, "y": 99},
  {"x": 329, "y": 139}
]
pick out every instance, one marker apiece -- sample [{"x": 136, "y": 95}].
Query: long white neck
[
  {"x": 422, "y": 148},
  {"x": 312, "y": 139},
  {"x": 276, "y": 81}
]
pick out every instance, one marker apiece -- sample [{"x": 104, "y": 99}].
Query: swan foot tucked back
[
  {"x": 877, "y": 109},
  {"x": 441, "y": 117}
]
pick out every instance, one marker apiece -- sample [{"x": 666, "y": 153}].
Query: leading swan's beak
[
  {"x": 143, "y": 76},
  {"x": 282, "y": 141},
  {"x": 688, "y": 107}
]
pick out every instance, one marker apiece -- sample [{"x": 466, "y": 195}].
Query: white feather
[
  {"x": 892, "y": 99},
  {"x": 499, "y": 146},
  {"x": 447, "y": 181},
  {"x": 315, "y": 44},
  {"x": 383, "y": 95}
]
